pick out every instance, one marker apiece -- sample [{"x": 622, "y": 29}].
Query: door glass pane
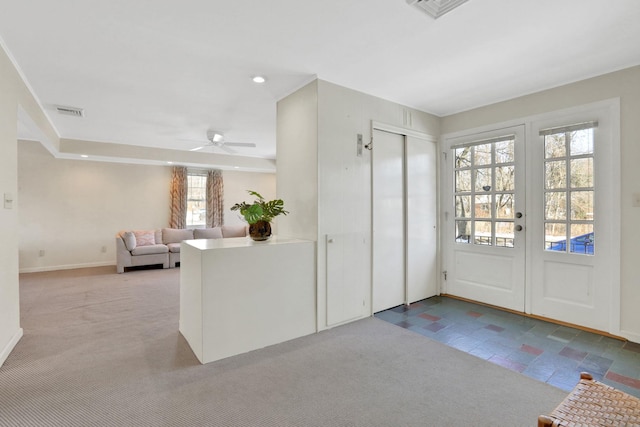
[
  {"x": 505, "y": 176},
  {"x": 582, "y": 172},
  {"x": 504, "y": 151},
  {"x": 574, "y": 150},
  {"x": 582, "y": 205},
  {"x": 463, "y": 180},
  {"x": 504, "y": 205},
  {"x": 582, "y": 239},
  {"x": 581, "y": 142},
  {"x": 463, "y": 231},
  {"x": 504, "y": 234},
  {"x": 463, "y": 206},
  {"x": 555, "y": 236},
  {"x": 483, "y": 179},
  {"x": 482, "y": 154},
  {"x": 463, "y": 157},
  {"x": 555, "y": 206},
  {"x": 484, "y": 192},
  {"x": 483, "y": 206},
  {"x": 482, "y": 235},
  {"x": 554, "y": 146},
  {"x": 555, "y": 174}
]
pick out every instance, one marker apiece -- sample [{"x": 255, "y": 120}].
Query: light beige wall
[
  {"x": 624, "y": 84},
  {"x": 236, "y": 185},
  {"x": 14, "y": 96},
  {"x": 72, "y": 209},
  {"x": 327, "y": 185},
  {"x": 297, "y": 161}
]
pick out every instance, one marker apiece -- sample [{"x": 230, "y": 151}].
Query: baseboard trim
[
  {"x": 66, "y": 267},
  {"x": 10, "y": 345}
]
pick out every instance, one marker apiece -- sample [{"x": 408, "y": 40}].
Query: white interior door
[
  {"x": 388, "y": 221},
  {"x": 574, "y": 252},
  {"x": 422, "y": 208},
  {"x": 484, "y": 209}
]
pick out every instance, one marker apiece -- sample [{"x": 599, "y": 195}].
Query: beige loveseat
[{"x": 153, "y": 247}]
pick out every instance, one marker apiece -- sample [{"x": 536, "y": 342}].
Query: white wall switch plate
[{"x": 8, "y": 201}]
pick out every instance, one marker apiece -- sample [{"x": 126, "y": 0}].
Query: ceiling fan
[{"x": 216, "y": 139}]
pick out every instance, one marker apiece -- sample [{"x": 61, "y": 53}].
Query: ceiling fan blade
[
  {"x": 227, "y": 149},
  {"x": 240, "y": 144}
]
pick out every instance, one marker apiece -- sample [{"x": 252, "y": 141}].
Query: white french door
[
  {"x": 485, "y": 217},
  {"x": 552, "y": 250},
  {"x": 575, "y": 217}
]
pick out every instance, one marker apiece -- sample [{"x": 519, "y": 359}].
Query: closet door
[
  {"x": 422, "y": 238},
  {"x": 389, "y": 284}
]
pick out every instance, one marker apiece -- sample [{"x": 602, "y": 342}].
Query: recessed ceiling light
[{"x": 259, "y": 79}]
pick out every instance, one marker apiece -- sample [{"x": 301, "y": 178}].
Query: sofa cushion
[
  {"x": 174, "y": 247},
  {"x": 208, "y": 233},
  {"x": 176, "y": 235},
  {"x": 129, "y": 240},
  {"x": 150, "y": 249},
  {"x": 145, "y": 237},
  {"x": 234, "y": 231}
]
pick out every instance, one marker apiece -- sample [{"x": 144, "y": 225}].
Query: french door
[
  {"x": 550, "y": 250},
  {"x": 485, "y": 222}
]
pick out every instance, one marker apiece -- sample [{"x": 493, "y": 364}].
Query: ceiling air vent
[
  {"x": 70, "y": 111},
  {"x": 436, "y": 8}
]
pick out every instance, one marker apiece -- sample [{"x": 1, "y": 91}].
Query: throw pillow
[
  {"x": 129, "y": 240},
  {"x": 145, "y": 237}
]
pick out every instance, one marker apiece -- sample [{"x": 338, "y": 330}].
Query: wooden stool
[{"x": 592, "y": 403}]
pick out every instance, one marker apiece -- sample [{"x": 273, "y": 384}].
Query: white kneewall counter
[{"x": 237, "y": 295}]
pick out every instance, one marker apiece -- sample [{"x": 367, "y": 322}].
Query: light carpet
[{"x": 102, "y": 349}]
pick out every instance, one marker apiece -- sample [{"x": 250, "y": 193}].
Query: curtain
[
  {"x": 179, "y": 187},
  {"x": 215, "y": 198}
]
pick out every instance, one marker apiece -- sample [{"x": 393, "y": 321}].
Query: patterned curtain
[
  {"x": 179, "y": 186},
  {"x": 215, "y": 198}
]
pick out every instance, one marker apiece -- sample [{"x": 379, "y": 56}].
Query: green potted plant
[{"x": 259, "y": 214}]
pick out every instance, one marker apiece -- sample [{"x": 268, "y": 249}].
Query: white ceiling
[{"x": 160, "y": 73}]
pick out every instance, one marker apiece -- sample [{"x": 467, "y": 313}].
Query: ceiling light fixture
[
  {"x": 259, "y": 79},
  {"x": 436, "y": 8},
  {"x": 84, "y": 156}
]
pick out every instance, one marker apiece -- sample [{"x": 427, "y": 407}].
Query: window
[
  {"x": 196, "y": 199},
  {"x": 569, "y": 189},
  {"x": 485, "y": 192}
]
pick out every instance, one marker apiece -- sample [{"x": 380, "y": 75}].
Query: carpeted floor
[{"x": 102, "y": 349}]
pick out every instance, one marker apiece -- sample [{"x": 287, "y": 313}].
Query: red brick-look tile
[
  {"x": 531, "y": 350},
  {"x": 631, "y": 382},
  {"x": 429, "y": 317}
]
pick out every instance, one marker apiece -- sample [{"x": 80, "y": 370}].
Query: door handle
[{"x": 518, "y": 228}]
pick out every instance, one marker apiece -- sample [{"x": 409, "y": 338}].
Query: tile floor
[{"x": 545, "y": 351}]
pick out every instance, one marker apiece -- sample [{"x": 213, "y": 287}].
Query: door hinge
[
  {"x": 444, "y": 273},
  {"x": 444, "y": 153}
]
